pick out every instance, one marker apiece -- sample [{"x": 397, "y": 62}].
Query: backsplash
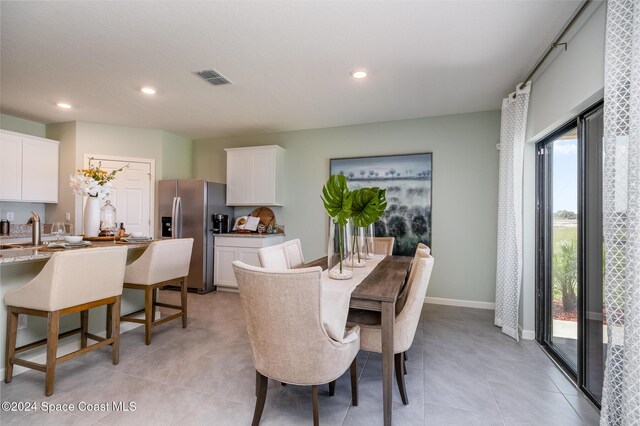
[
  {"x": 24, "y": 231},
  {"x": 21, "y": 211}
]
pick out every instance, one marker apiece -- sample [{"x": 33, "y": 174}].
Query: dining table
[{"x": 374, "y": 287}]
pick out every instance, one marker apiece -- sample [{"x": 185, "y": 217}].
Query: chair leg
[
  {"x": 84, "y": 327},
  {"x": 316, "y": 417},
  {"x": 154, "y": 298},
  {"x": 261, "y": 390},
  {"x": 354, "y": 382},
  {"x": 400, "y": 378},
  {"x": 404, "y": 356},
  {"x": 53, "y": 324},
  {"x": 10, "y": 349},
  {"x": 332, "y": 388},
  {"x": 183, "y": 301},
  {"x": 115, "y": 331},
  {"x": 109, "y": 320},
  {"x": 148, "y": 294}
]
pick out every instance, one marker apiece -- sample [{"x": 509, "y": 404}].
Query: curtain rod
[{"x": 557, "y": 42}]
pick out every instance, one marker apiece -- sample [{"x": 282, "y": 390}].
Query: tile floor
[{"x": 461, "y": 371}]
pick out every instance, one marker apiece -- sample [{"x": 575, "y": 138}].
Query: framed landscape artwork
[{"x": 407, "y": 179}]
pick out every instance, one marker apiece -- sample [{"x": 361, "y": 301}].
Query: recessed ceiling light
[
  {"x": 63, "y": 105},
  {"x": 359, "y": 73},
  {"x": 148, "y": 90}
]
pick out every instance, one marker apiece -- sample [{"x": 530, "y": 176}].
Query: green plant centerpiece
[
  {"x": 367, "y": 207},
  {"x": 337, "y": 201}
]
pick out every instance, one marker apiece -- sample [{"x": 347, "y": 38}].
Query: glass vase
[
  {"x": 338, "y": 252},
  {"x": 357, "y": 256},
  {"x": 370, "y": 234}
]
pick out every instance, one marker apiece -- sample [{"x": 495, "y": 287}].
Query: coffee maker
[{"x": 220, "y": 223}]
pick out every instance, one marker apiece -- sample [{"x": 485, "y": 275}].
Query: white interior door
[{"x": 131, "y": 193}]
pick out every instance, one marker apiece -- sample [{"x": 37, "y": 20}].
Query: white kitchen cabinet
[
  {"x": 255, "y": 176},
  {"x": 243, "y": 248},
  {"x": 29, "y": 169}
]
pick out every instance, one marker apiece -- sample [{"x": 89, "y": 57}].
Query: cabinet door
[
  {"x": 249, "y": 256},
  {"x": 262, "y": 185},
  {"x": 11, "y": 167},
  {"x": 223, "y": 268},
  {"x": 39, "y": 171},
  {"x": 237, "y": 177}
]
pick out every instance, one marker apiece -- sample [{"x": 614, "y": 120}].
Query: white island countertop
[{"x": 22, "y": 255}]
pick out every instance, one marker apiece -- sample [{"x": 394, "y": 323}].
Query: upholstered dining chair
[
  {"x": 406, "y": 322},
  {"x": 288, "y": 339},
  {"x": 293, "y": 251},
  {"x": 163, "y": 263},
  {"x": 383, "y": 245},
  {"x": 273, "y": 257},
  {"x": 71, "y": 281}
]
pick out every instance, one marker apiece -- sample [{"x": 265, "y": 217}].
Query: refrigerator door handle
[
  {"x": 174, "y": 224},
  {"x": 179, "y": 217}
]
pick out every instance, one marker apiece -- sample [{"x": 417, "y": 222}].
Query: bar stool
[
  {"x": 163, "y": 263},
  {"x": 71, "y": 281}
]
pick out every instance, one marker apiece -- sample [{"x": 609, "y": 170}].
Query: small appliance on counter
[
  {"x": 5, "y": 227},
  {"x": 220, "y": 223}
]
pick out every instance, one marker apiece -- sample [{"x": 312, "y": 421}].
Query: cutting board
[{"x": 266, "y": 215}]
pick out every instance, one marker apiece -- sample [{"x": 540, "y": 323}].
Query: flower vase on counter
[
  {"x": 370, "y": 241},
  {"x": 338, "y": 252},
  {"x": 91, "y": 219}
]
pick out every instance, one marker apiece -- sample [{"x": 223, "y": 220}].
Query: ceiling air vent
[{"x": 212, "y": 76}]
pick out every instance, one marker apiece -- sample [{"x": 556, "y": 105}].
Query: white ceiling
[{"x": 289, "y": 60}]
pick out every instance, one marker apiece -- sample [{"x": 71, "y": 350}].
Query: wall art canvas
[{"x": 407, "y": 179}]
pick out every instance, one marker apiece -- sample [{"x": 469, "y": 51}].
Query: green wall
[
  {"x": 177, "y": 157},
  {"x": 465, "y": 181},
  {"x": 20, "y": 125}
]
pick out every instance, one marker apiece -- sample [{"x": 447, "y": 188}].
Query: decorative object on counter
[
  {"x": 261, "y": 229},
  {"x": 108, "y": 223},
  {"x": 266, "y": 216},
  {"x": 122, "y": 231},
  {"x": 337, "y": 201},
  {"x": 95, "y": 184},
  {"x": 368, "y": 207},
  {"x": 104, "y": 238},
  {"x": 73, "y": 238},
  {"x": 58, "y": 230},
  {"x": 5, "y": 227}
]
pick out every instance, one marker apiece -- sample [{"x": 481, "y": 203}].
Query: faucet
[{"x": 34, "y": 221}]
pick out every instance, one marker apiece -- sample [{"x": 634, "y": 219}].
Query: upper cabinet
[
  {"x": 28, "y": 168},
  {"x": 255, "y": 176}
]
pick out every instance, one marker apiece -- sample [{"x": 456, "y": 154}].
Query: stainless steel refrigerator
[{"x": 185, "y": 209}]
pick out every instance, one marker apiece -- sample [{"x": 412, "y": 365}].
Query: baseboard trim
[
  {"x": 459, "y": 302},
  {"x": 527, "y": 334}
]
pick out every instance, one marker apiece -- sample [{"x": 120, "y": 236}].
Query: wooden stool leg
[
  {"x": 109, "y": 320},
  {"x": 154, "y": 298},
  {"x": 148, "y": 293},
  {"x": 316, "y": 417},
  {"x": 12, "y": 332},
  {"x": 84, "y": 327},
  {"x": 183, "y": 301},
  {"x": 115, "y": 331},
  {"x": 53, "y": 324},
  {"x": 332, "y": 388}
]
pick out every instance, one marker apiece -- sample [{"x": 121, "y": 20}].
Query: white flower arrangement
[{"x": 93, "y": 182}]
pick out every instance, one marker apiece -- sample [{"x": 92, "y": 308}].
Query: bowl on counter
[
  {"x": 73, "y": 238},
  {"x": 137, "y": 234}
]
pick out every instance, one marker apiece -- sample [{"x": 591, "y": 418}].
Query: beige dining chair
[
  {"x": 406, "y": 322},
  {"x": 293, "y": 251},
  {"x": 286, "y": 332},
  {"x": 273, "y": 257},
  {"x": 383, "y": 245},
  {"x": 71, "y": 281},
  {"x": 163, "y": 263}
]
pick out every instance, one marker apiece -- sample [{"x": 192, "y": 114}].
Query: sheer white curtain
[
  {"x": 509, "y": 265},
  {"x": 621, "y": 392}
]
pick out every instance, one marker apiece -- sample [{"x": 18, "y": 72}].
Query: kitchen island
[{"x": 19, "y": 266}]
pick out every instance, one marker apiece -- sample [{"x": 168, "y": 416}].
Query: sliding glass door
[{"x": 570, "y": 321}]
